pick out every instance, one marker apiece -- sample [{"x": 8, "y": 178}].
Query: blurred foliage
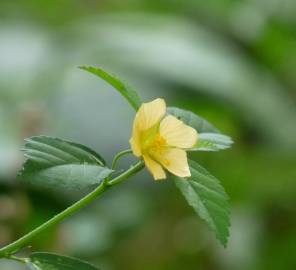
[{"x": 233, "y": 62}]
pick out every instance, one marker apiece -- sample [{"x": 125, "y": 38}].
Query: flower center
[
  {"x": 154, "y": 142},
  {"x": 158, "y": 142}
]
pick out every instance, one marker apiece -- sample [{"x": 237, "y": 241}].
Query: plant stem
[
  {"x": 15, "y": 246},
  {"x": 118, "y": 156},
  {"x": 134, "y": 169},
  {"x": 14, "y": 258}
]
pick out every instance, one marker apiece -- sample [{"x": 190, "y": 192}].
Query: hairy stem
[{"x": 23, "y": 241}]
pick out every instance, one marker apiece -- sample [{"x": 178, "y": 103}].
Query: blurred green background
[{"x": 232, "y": 62}]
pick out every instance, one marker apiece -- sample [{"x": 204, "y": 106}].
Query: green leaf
[
  {"x": 50, "y": 261},
  {"x": 212, "y": 142},
  {"x": 130, "y": 94},
  {"x": 210, "y": 138},
  {"x": 55, "y": 162},
  {"x": 208, "y": 198},
  {"x": 193, "y": 120}
]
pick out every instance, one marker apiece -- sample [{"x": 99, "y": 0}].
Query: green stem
[
  {"x": 14, "y": 258},
  {"x": 118, "y": 156},
  {"x": 134, "y": 169},
  {"x": 15, "y": 246}
]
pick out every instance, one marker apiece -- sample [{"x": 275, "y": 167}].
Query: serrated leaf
[
  {"x": 130, "y": 94},
  {"x": 212, "y": 142},
  {"x": 193, "y": 120},
  {"x": 208, "y": 198},
  {"x": 59, "y": 163},
  {"x": 50, "y": 261}
]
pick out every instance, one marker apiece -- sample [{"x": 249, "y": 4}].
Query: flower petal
[
  {"x": 150, "y": 114},
  {"x": 135, "y": 141},
  {"x": 177, "y": 134},
  {"x": 156, "y": 169},
  {"x": 174, "y": 160}
]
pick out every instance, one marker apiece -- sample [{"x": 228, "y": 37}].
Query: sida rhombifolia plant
[{"x": 161, "y": 139}]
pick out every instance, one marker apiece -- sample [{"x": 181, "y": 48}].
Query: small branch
[
  {"x": 118, "y": 156},
  {"x": 132, "y": 170},
  {"x": 15, "y": 246}
]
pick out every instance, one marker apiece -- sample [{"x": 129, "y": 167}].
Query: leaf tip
[{"x": 84, "y": 67}]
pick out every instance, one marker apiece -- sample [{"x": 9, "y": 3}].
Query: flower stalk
[{"x": 118, "y": 156}]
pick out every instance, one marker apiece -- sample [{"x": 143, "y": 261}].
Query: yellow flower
[{"x": 161, "y": 140}]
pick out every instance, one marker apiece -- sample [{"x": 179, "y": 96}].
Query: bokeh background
[{"x": 232, "y": 62}]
